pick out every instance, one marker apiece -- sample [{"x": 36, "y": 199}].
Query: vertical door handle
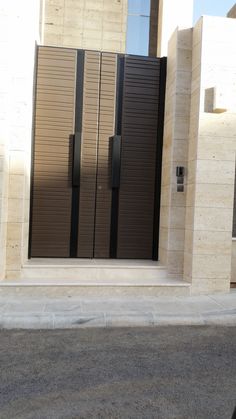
[
  {"x": 116, "y": 156},
  {"x": 76, "y": 159}
]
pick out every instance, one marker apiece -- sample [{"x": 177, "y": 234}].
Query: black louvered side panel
[{"x": 138, "y": 157}]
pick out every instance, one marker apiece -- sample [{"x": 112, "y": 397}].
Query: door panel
[
  {"x": 138, "y": 158},
  {"x": 88, "y": 163},
  {"x": 54, "y": 122},
  {"x": 106, "y": 130},
  {"x": 104, "y": 205}
]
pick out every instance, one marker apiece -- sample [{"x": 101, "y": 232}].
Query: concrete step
[
  {"x": 96, "y": 271},
  {"x": 58, "y": 277},
  {"x": 36, "y": 289}
]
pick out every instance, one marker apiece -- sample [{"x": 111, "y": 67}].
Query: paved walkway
[{"x": 81, "y": 312}]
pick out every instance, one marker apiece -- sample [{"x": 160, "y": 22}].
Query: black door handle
[
  {"x": 116, "y": 156},
  {"x": 76, "y": 159}
]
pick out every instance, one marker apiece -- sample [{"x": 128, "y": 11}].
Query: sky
[
  {"x": 212, "y": 7},
  {"x": 138, "y": 20}
]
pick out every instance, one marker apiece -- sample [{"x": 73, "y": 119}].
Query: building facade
[{"x": 196, "y": 250}]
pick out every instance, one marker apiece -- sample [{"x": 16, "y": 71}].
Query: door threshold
[{"x": 92, "y": 263}]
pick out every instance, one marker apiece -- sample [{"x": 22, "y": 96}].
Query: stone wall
[
  {"x": 16, "y": 95},
  {"x": 175, "y": 150},
  {"x": 211, "y": 157},
  {"x": 91, "y": 24}
]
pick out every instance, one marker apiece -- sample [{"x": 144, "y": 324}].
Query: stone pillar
[
  {"x": 172, "y": 14},
  {"x": 232, "y": 12},
  {"x": 175, "y": 150},
  {"x": 18, "y": 55},
  {"x": 211, "y": 157}
]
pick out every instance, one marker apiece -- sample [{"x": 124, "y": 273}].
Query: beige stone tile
[
  {"x": 187, "y": 274},
  {"x": 165, "y": 196},
  {"x": 196, "y": 79},
  {"x": 212, "y": 266},
  {"x": 183, "y": 82},
  {"x": 93, "y": 44},
  {"x": 195, "y": 105},
  {"x": 54, "y": 9},
  {"x": 178, "y": 199},
  {"x": 166, "y": 175},
  {"x": 184, "y": 57},
  {"x": 175, "y": 262},
  {"x": 13, "y": 256},
  {"x": 3, "y": 210},
  {"x": 192, "y": 150},
  {"x": 55, "y": 39},
  {"x": 164, "y": 217},
  {"x": 216, "y": 148},
  {"x": 16, "y": 186},
  {"x": 206, "y": 286},
  {"x": 26, "y": 210},
  {"x": 167, "y": 150},
  {"x": 114, "y": 27},
  {"x": 214, "y": 196},
  {"x": 176, "y": 239},
  {"x": 218, "y": 125},
  {"x": 17, "y": 162},
  {"x": 189, "y": 217},
  {"x": 182, "y": 105},
  {"x": 70, "y": 42},
  {"x": 185, "y": 38},
  {"x": 14, "y": 231},
  {"x": 112, "y": 46},
  {"x": 213, "y": 219},
  {"x": 25, "y": 234},
  {"x": 111, "y": 36},
  {"x": 15, "y": 210},
  {"x": 196, "y": 55},
  {"x": 191, "y": 172},
  {"x": 13, "y": 274},
  {"x": 181, "y": 126},
  {"x": 163, "y": 238},
  {"x": 168, "y": 131},
  {"x": 212, "y": 242},
  {"x": 177, "y": 217},
  {"x": 93, "y": 24},
  {"x": 215, "y": 172},
  {"x": 188, "y": 240},
  {"x": 180, "y": 150},
  {"x": 197, "y": 32},
  {"x": 162, "y": 256}
]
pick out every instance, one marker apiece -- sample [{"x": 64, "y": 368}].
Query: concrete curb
[{"x": 62, "y": 321}]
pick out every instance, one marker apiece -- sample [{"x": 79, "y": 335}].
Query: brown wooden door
[
  {"x": 97, "y": 155},
  {"x": 51, "y": 193}
]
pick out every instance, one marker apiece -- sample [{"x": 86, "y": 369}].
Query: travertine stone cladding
[
  {"x": 90, "y": 24},
  {"x": 175, "y": 150},
  {"x": 232, "y": 12},
  {"x": 211, "y": 159},
  {"x": 16, "y": 88}
]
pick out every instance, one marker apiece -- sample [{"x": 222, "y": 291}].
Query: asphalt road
[{"x": 170, "y": 372}]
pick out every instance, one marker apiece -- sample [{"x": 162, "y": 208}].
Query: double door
[{"x": 96, "y": 155}]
